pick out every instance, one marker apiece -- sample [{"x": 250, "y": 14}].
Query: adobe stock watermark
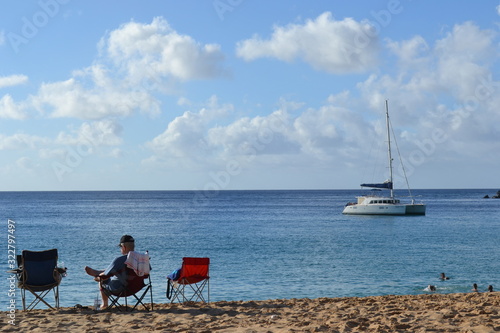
[
  {"x": 12, "y": 279},
  {"x": 32, "y": 24},
  {"x": 221, "y": 7}
]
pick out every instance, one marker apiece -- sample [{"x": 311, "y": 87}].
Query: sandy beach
[{"x": 471, "y": 312}]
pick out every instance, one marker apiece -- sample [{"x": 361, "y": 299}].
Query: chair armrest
[{"x": 61, "y": 270}]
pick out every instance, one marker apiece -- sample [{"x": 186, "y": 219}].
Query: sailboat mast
[{"x": 389, "y": 145}]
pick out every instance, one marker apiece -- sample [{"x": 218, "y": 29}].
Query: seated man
[{"x": 114, "y": 277}]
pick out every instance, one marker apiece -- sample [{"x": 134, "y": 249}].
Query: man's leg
[
  {"x": 104, "y": 298},
  {"x": 92, "y": 272}
]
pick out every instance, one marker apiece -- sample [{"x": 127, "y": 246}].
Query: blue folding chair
[{"x": 38, "y": 273}]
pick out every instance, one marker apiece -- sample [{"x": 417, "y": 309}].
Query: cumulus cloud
[
  {"x": 411, "y": 53},
  {"x": 137, "y": 61},
  {"x": 345, "y": 126},
  {"x": 26, "y": 163},
  {"x": 455, "y": 65},
  {"x": 276, "y": 138},
  {"x": 454, "y": 93},
  {"x": 186, "y": 135},
  {"x": 326, "y": 44},
  {"x": 10, "y": 109},
  {"x": 12, "y": 80},
  {"x": 21, "y": 141},
  {"x": 92, "y": 94},
  {"x": 260, "y": 135},
  {"x": 95, "y": 134},
  {"x": 154, "y": 51}
]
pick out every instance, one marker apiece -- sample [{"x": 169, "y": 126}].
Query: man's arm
[{"x": 116, "y": 266}]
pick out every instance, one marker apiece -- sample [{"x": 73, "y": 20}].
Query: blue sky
[{"x": 238, "y": 94}]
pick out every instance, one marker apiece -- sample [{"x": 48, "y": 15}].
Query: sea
[{"x": 272, "y": 244}]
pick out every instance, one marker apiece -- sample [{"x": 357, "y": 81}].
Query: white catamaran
[{"x": 374, "y": 204}]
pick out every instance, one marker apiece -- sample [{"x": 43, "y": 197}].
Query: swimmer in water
[
  {"x": 444, "y": 277},
  {"x": 474, "y": 288},
  {"x": 431, "y": 288},
  {"x": 490, "y": 288}
]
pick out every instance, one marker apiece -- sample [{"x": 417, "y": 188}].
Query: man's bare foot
[{"x": 92, "y": 272}]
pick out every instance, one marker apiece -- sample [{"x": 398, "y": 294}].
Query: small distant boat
[{"x": 376, "y": 204}]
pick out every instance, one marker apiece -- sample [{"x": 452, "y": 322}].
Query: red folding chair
[{"x": 193, "y": 283}]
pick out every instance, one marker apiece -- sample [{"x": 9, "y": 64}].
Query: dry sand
[{"x": 472, "y": 312}]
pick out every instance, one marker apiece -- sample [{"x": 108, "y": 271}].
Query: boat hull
[
  {"x": 382, "y": 209},
  {"x": 415, "y": 209},
  {"x": 402, "y": 209}
]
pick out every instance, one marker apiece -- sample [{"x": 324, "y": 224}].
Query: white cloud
[
  {"x": 10, "y": 109},
  {"x": 498, "y": 9},
  {"x": 468, "y": 42},
  {"x": 2, "y": 37},
  {"x": 260, "y": 135},
  {"x": 344, "y": 128},
  {"x": 21, "y": 141},
  {"x": 12, "y": 80},
  {"x": 155, "y": 51},
  {"x": 137, "y": 61},
  {"x": 412, "y": 52},
  {"x": 454, "y": 65},
  {"x": 276, "y": 138},
  {"x": 95, "y": 134},
  {"x": 186, "y": 135},
  {"x": 453, "y": 91},
  {"x": 92, "y": 94},
  {"x": 117, "y": 153},
  {"x": 326, "y": 44},
  {"x": 183, "y": 101},
  {"x": 26, "y": 163}
]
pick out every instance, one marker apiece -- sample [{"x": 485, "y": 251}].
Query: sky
[{"x": 238, "y": 94}]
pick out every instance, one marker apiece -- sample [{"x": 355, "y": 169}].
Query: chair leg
[
  {"x": 39, "y": 298},
  {"x": 151, "y": 295},
  {"x": 149, "y": 288},
  {"x": 23, "y": 295},
  {"x": 195, "y": 292},
  {"x": 114, "y": 300},
  {"x": 56, "y": 296}
]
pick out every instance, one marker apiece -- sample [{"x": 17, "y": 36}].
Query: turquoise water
[{"x": 264, "y": 244}]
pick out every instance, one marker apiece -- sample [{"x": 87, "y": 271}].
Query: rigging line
[{"x": 400, "y": 159}]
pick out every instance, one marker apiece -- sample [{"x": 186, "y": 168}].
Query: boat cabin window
[{"x": 395, "y": 201}]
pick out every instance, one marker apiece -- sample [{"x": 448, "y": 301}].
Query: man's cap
[{"x": 126, "y": 239}]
